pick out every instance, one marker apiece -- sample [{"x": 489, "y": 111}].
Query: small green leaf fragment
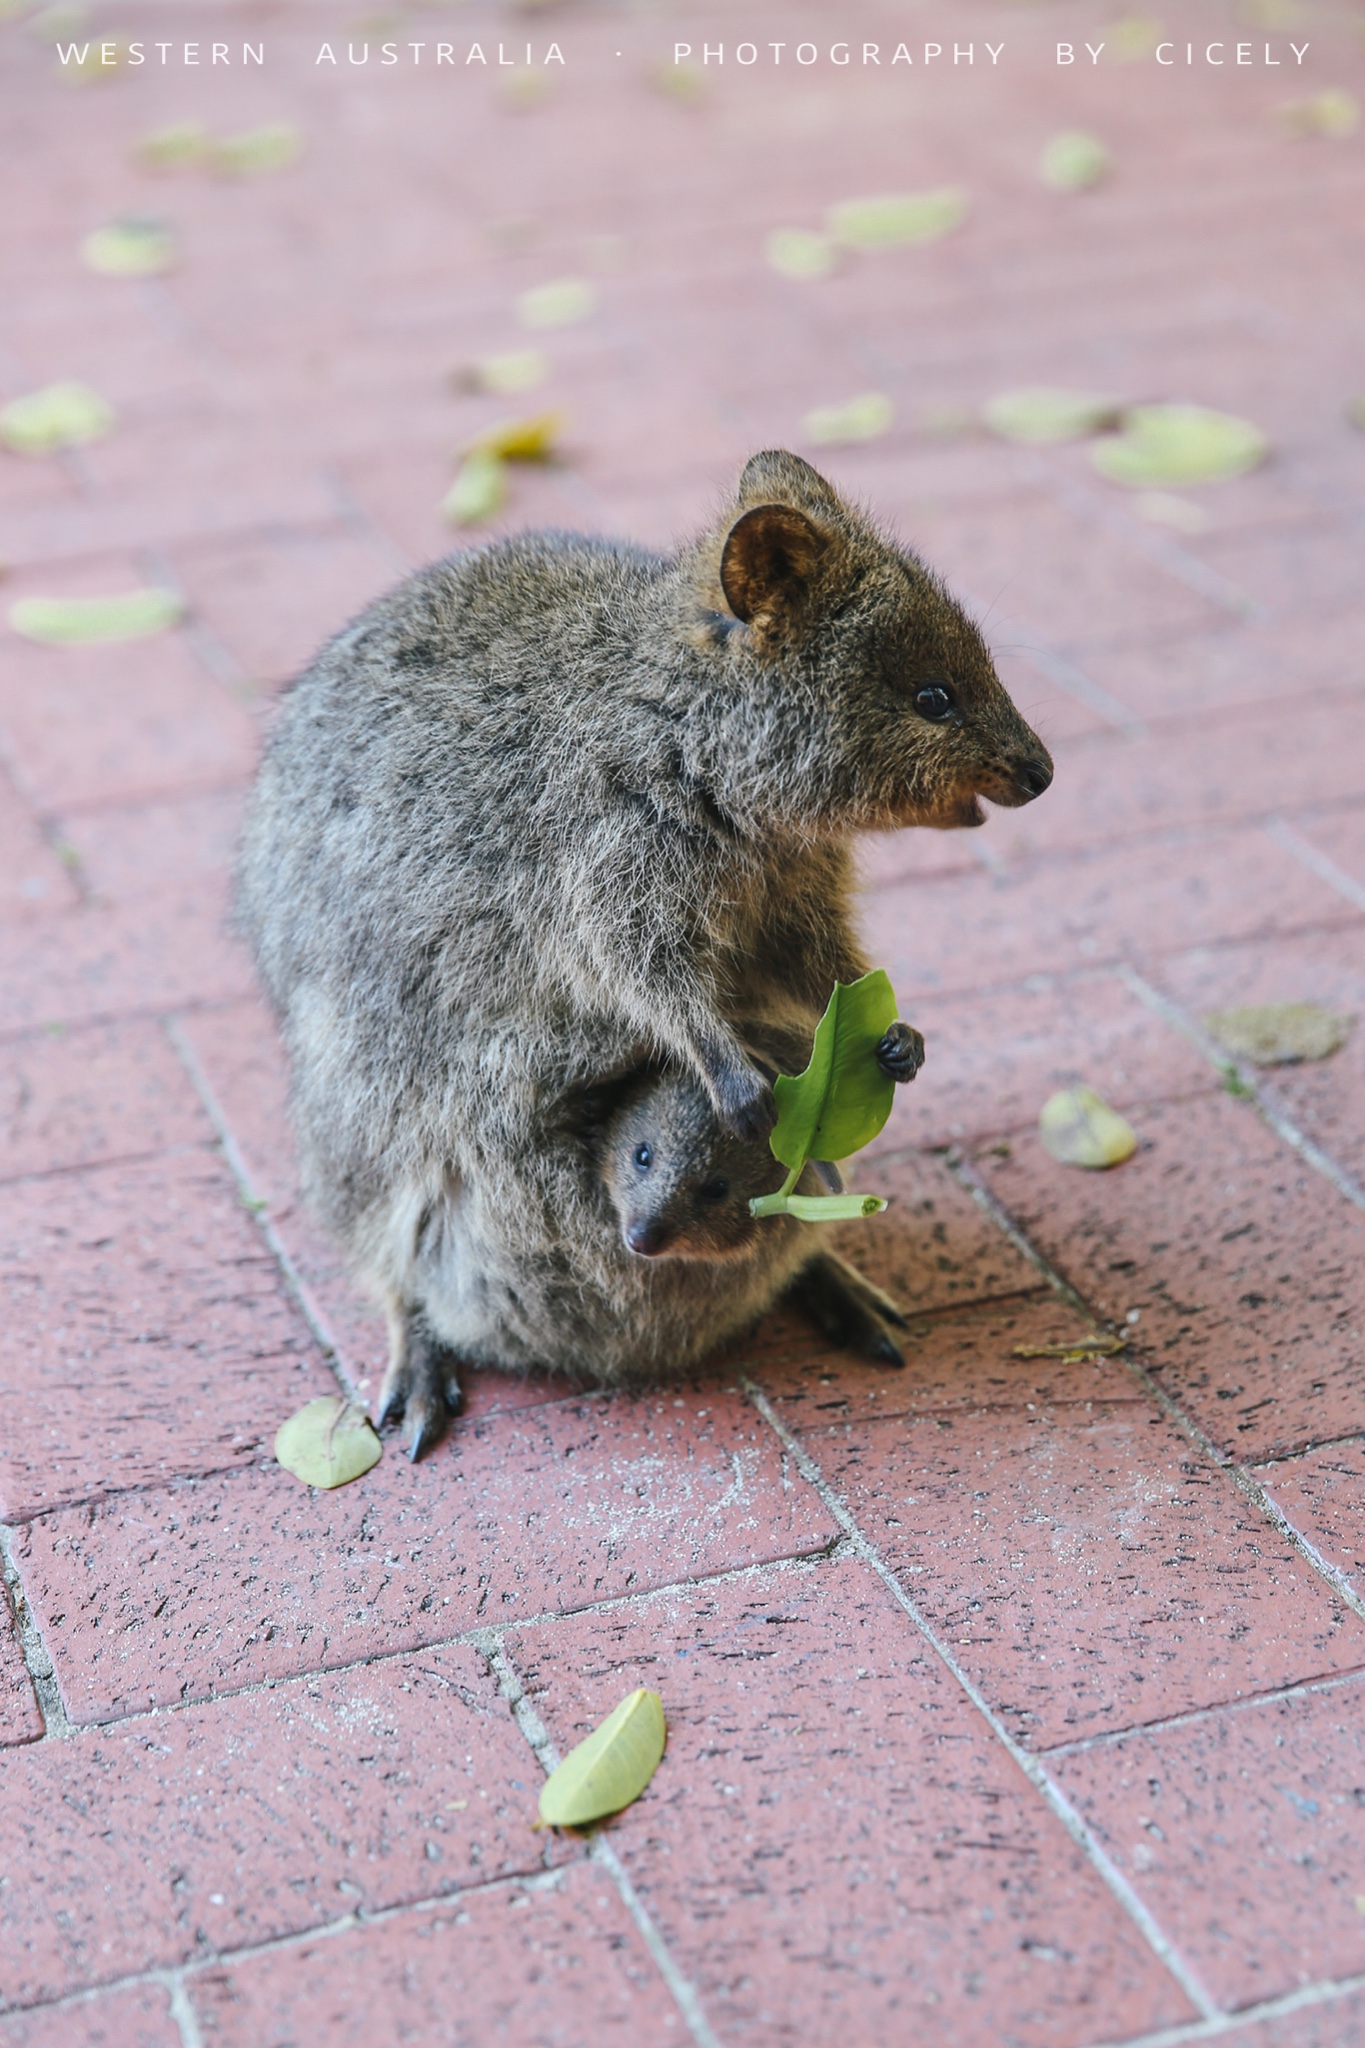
[
  {"x": 479, "y": 490},
  {"x": 517, "y": 369},
  {"x": 270, "y": 148},
  {"x": 843, "y": 1098},
  {"x": 561, "y": 304},
  {"x": 1279, "y": 1034},
  {"x": 328, "y": 1442},
  {"x": 525, "y": 440},
  {"x": 1080, "y": 1129},
  {"x": 610, "y": 1768},
  {"x": 799, "y": 253},
  {"x": 174, "y": 148},
  {"x": 1075, "y": 161},
  {"x": 58, "y": 416},
  {"x": 834, "y": 1208},
  {"x": 859, "y": 419},
  {"x": 1162, "y": 445},
  {"x": 72, "y": 621},
  {"x": 137, "y": 246},
  {"x": 1334, "y": 114},
  {"x": 1040, "y": 412},
  {"x": 897, "y": 220}
]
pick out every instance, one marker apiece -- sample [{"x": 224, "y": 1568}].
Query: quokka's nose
[
  {"x": 647, "y": 1236},
  {"x": 1032, "y": 776}
]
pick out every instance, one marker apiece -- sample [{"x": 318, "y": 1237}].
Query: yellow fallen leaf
[
  {"x": 609, "y": 1768},
  {"x": 1179, "y": 444},
  {"x": 479, "y": 490},
  {"x": 516, "y": 370},
  {"x": 525, "y": 440},
  {"x": 58, "y": 416},
  {"x": 1279, "y": 1034},
  {"x": 797, "y": 252},
  {"x": 1041, "y": 413},
  {"x": 1334, "y": 113},
  {"x": 1075, "y": 161},
  {"x": 270, "y": 148},
  {"x": 858, "y": 419},
  {"x": 72, "y": 621},
  {"x": 1079, "y": 1128},
  {"x": 1084, "y": 1347},
  {"x": 560, "y": 304},
  {"x": 133, "y": 247},
  {"x": 171, "y": 148},
  {"x": 328, "y": 1442},
  {"x": 892, "y": 222}
]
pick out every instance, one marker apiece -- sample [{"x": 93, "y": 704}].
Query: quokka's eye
[
  {"x": 715, "y": 1190},
  {"x": 643, "y": 1155},
  {"x": 935, "y": 701}
]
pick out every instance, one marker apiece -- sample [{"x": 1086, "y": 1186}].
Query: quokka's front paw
[
  {"x": 421, "y": 1387},
  {"x": 900, "y": 1052}
]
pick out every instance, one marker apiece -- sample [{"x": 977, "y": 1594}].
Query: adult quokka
[{"x": 558, "y": 806}]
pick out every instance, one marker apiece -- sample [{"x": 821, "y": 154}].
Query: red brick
[
  {"x": 1322, "y": 1493},
  {"x": 228, "y": 1582},
  {"x": 98, "y": 963},
  {"x": 1244, "y": 1830},
  {"x": 1243, "y": 1265},
  {"x": 1335, "y": 2020},
  {"x": 835, "y": 1845},
  {"x": 147, "y": 1332},
  {"x": 934, "y": 1246},
  {"x": 1221, "y": 669},
  {"x": 176, "y": 847},
  {"x": 562, "y": 1966},
  {"x": 274, "y": 1813},
  {"x": 82, "y": 1098},
  {"x": 33, "y": 880},
  {"x": 1339, "y": 834},
  {"x": 137, "y": 2016}
]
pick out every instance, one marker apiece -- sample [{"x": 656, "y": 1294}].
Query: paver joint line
[
  {"x": 1317, "y": 863},
  {"x": 1225, "y": 2026},
  {"x": 31, "y": 1644},
  {"x": 1143, "y": 1919}
]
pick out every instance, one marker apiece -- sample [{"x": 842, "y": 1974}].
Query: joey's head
[
  {"x": 863, "y": 695},
  {"x": 681, "y": 1184}
]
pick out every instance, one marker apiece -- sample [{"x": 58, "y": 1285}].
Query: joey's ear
[
  {"x": 770, "y": 554},
  {"x": 776, "y": 474}
]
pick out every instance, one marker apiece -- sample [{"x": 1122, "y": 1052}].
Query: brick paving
[{"x": 1011, "y": 1700}]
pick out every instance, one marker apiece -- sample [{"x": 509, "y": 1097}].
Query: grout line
[
  {"x": 1320, "y": 864},
  {"x": 56, "y": 1726},
  {"x": 601, "y": 1850},
  {"x": 1107, "y": 1737},
  {"x": 259, "y": 1209},
  {"x": 1224, "y": 2024},
  {"x": 1063, "y": 1810},
  {"x": 182, "y": 2010},
  {"x": 1248, "y": 1083}
]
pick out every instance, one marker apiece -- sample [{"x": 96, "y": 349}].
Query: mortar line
[
  {"x": 37, "y": 1662},
  {"x": 1319, "y": 864},
  {"x": 1226, "y": 2023},
  {"x": 1104, "y": 1738},
  {"x": 600, "y": 1850},
  {"x": 1055, "y": 1799},
  {"x": 1249, "y": 1082},
  {"x": 182, "y": 2010}
]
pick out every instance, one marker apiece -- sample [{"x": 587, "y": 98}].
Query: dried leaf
[
  {"x": 1041, "y": 413},
  {"x": 58, "y": 416},
  {"x": 525, "y": 440},
  {"x": 328, "y": 1442},
  {"x": 1085, "y": 1347},
  {"x": 610, "y": 1768},
  {"x": 175, "y": 147},
  {"x": 1080, "y": 1129},
  {"x": 479, "y": 490},
  {"x": 1279, "y": 1034},
  {"x": 270, "y": 148},
  {"x": 137, "y": 246},
  {"x": 1075, "y": 161},
  {"x": 893, "y": 222},
  {"x": 1334, "y": 113},
  {"x": 797, "y": 252},
  {"x": 73, "y": 621},
  {"x": 561, "y": 304},
  {"x": 1178, "y": 444},
  {"x": 517, "y": 370},
  {"x": 858, "y": 419}
]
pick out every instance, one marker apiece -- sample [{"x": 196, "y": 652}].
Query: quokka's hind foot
[
  {"x": 847, "y": 1309},
  {"x": 422, "y": 1384}
]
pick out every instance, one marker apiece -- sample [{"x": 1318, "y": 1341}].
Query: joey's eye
[
  {"x": 643, "y": 1155},
  {"x": 935, "y": 701},
  {"x": 715, "y": 1190}
]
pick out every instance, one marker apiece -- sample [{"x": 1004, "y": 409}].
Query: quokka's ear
[
  {"x": 770, "y": 555},
  {"x": 776, "y": 474}
]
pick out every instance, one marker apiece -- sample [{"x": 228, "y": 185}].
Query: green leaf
[
  {"x": 561, "y": 304},
  {"x": 134, "y": 247},
  {"x": 1042, "y": 413},
  {"x": 68, "y": 621},
  {"x": 610, "y": 1768},
  {"x": 797, "y": 252},
  {"x": 858, "y": 419},
  {"x": 271, "y": 148},
  {"x": 892, "y": 222},
  {"x": 525, "y": 440},
  {"x": 1179, "y": 444},
  {"x": 1279, "y": 1034},
  {"x": 328, "y": 1443},
  {"x": 58, "y": 416},
  {"x": 842, "y": 1100},
  {"x": 479, "y": 490},
  {"x": 1080, "y": 1129},
  {"x": 820, "y": 1208},
  {"x": 1075, "y": 161}
]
